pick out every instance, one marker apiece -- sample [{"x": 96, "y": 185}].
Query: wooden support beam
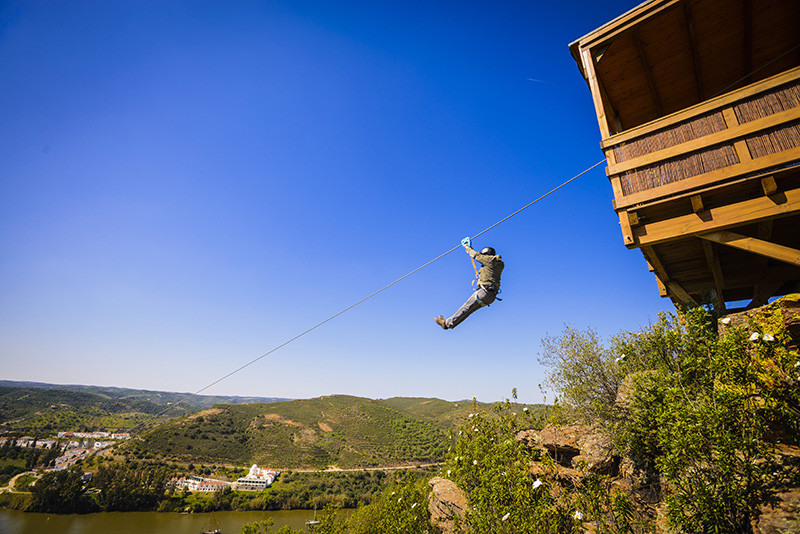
[
  {"x": 698, "y": 79},
  {"x": 647, "y": 71},
  {"x": 609, "y": 105},
  {"x": 670, "y": 288},
  {"x": 625, "y": 228},
  {"x": 633, "y": 218},
  {"x": 776, "y": 272},
  {"x": 662, "y": 288},
  {"x": 762, "y": 293},
  {"x": 768, "y": 185},
  {"x": 587, "y": 58},
  {"x": 719, "y": 218},
  {"x": 756, "y": 246},
  {"x": 764, "y": 234},
  {"x": 716, "y": 272},
  {"x": 676, "y": 290},
  {"x": 697, "y": 203}
]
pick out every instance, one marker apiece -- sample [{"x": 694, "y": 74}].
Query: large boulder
[{"x": 447, "y": 504}]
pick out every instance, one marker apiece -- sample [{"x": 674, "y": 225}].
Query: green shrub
[
  {"x": 703, "y": 416},
  {"x": 505, "y": 496}
]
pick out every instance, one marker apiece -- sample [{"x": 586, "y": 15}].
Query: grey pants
[{"x": 482, "y": 297}]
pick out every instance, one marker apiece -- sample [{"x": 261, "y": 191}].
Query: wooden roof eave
[{"x": 624, "y": 22}]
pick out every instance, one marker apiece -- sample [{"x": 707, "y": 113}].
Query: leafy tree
[
  {"x": 583, "y": 371},
  {"x": 60, "y": 492},
  {"x": 700, "y": 408},
  {"x": 128, "y": 488}
]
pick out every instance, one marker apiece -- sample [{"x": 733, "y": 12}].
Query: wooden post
[{"x": 740, "y": 146}]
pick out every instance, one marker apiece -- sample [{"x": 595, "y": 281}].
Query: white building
[
  {"x": 257, "y": 479},
  {"x": 196, "y": 483}
]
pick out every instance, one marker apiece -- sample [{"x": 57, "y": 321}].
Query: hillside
[
  {"x": 41, "y": 409},
  {"x": 41, "y": 412},
  {"x": 336, "y": 430}
]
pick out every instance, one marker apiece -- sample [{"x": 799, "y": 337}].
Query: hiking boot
[{"x": 440, "y": 321}]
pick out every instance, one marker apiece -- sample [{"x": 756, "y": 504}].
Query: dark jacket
[{"x": 491, "y": 268}]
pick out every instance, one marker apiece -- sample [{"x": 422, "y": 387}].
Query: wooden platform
[{"x": 698, "y": 103}]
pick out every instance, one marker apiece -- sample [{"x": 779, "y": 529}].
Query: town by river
[{"x": 13, "y": 522}]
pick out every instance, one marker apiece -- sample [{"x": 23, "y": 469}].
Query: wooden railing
[{"x": 751, "y": 130}]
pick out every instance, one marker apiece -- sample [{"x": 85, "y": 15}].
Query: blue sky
[{"x": 186, "y": 185}]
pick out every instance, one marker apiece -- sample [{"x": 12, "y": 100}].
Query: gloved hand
[{"x": 467, "y": 242}]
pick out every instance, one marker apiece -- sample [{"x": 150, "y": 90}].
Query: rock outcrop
[
  {"x": 783, "y": 314},
  {"x": 575, "y": 446},
  {"x": 447, "y": 504},
  {"x": 780, "y": 517}
]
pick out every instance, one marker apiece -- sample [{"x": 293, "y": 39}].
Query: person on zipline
[{"x": 488, "y": 285}]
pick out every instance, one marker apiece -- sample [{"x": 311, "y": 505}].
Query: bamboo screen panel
[
  {"x": 774, "y": 140},
  {"x": 764, "y": 105},
  {"x": 680, "y": 133},
  {"x": 676, "y": 169}
]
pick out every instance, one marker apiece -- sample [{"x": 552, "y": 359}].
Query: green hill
[
  {"x": 41, "y": 412},
  {"x": 42, "y": 409},
  {"x": 336, "y": 430},
  {"x": 342, "y": 430}
]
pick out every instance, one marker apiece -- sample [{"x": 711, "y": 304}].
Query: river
[{"x": 13, "y": 522}]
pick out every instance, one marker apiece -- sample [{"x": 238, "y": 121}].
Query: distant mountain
[
  {"x": 336, "y": 430},
  {"x": 161, "y": 398}
]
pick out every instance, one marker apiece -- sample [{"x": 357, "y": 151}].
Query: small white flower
[
  {"x": 726, "y": 320},
  {"x": 474, "y": 462},
  {"x": 769, "y": 337},
  {"x": 537, "y": 483},
  {"x": 413, "y": 506},
  {"x": 400, "y": 499},
  {"x": 459, "y": 432},
  {"x": 475, "y": 428},
  {"x": 525, "y": 409},
  {"x": 471, "y": 415},
  {"x": 578, "y": 515},
  {"x": 448, "y": 472},
  {"x": 392, "y": 493},
  {"x": 508, "y": 514},
  {"x": 754, "y": 336},
  {"x": 797, "y": 364}
]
